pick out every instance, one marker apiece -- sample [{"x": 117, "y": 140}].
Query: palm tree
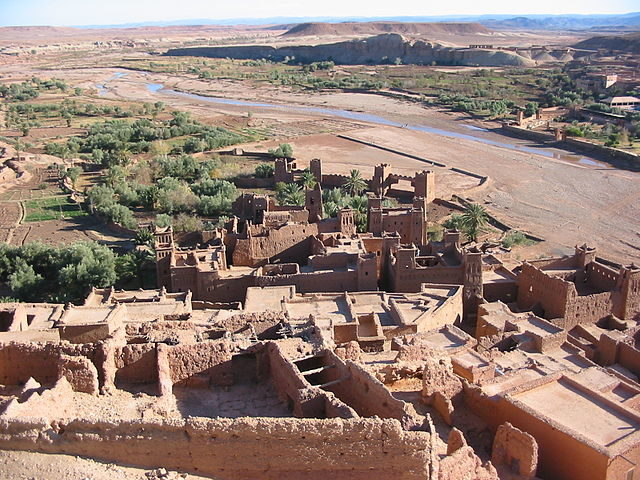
[
  {"x": 359, "y": 203},
  {"x": 334, "y": 195},
  {"x": 473, "y": 220},
  {"x": 295, "y": 197},
  {"x": 355, "y": 184},
  {"x": 307, "y": 179},
  {"x": 330, "y": 209}
]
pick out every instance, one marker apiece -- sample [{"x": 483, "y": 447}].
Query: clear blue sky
[{"x": 91, "y": 12}]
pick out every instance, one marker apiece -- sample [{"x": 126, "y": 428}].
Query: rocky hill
[
  {"x": 347, "y": 29},
  {"x": 380, "y": 49},
  {"x": 619, "y": 43}
]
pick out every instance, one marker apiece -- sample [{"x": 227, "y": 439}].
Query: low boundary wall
[{"x": 237, "y": 449}]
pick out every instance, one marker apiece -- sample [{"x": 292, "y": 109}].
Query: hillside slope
[
  {"x": 377, "y": 28},
  {"x": 620, "y": 43},
  {"x": 380, "y": 49}
]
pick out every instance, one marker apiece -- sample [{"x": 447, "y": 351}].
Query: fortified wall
[{"x": 579, "y": 289}]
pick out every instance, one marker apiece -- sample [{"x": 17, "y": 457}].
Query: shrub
[
  {"x": 514, "y": 237},
  {"x": 264, "y": 170}
]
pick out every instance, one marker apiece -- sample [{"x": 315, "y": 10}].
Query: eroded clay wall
[
  {"x": 322, "y": 281},
  {"x": 291, "y": 386},
  {"x": 587, "y": 309},
  {"x": 289, "y": 243},
  {"x": 555, "y": 446},
  {"x": 332, "y": 180},
  {"x": 448, "y": 313},
  {"x": 233, "y": 289},
  {"x": 21, "y": 361},
  {"x": 363, "y": 392},
  {"x": 534, "y": 286},
  {"x": 601, "y": 276},
  {"x": 506, "y": 292},
  {"x": 240, "y": 449},
  {"x": 629, "y": 357},
  {"x": 136, "y": 364},
  {"x": 410, "y": 280},
  {"x": 211, "y": 359}
]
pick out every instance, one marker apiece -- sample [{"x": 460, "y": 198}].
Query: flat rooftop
[
  {"x": 577, "y": 410},
  {"x": 538, "y": 326},
  {"x": 444, "y": 339},
  {"x": 260, "y": 299},
  {"x": 86, "y": 315},
  {"x": 498, "y": 276}
]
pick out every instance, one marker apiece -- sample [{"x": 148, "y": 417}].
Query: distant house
[
  {"x": 596, "y": 82},
  {"x": 625, "y": 103}
]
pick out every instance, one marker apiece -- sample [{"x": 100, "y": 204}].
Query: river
[{"x": 474, "y": 135}]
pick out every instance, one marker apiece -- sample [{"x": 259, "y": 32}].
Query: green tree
[
  {"x": 498, "y": 108},
  {"x": 290, "y": 194},
  {"x": 88, "y": 265},
  {"x": 334, "y": 195},
  {"x": 359, "y": 203},
  {"x": 454, "y": 222},
  {"x": 355, "y": 184},
  {"x": 307, "y": 179},
  {"x": 473, "y": 221},
  {"x": 24, "y": 282},
  {"x": 130, "y": 267},
  {"x": 530, "y": 109},
  {"x": 613, "y": 140},
  {"x": 20, "y": 147},
  {"x": 284, "y": 150},
  {"x": 73, "y": 174},
  {"x": 330, "y": 209},
  {"x": 264, "y": 170},
  {"x": 144, "y": 236},
  {"x": 163, "y": 220}
]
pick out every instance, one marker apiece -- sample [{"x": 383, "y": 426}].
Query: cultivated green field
[{"x": 52, "y": 208}]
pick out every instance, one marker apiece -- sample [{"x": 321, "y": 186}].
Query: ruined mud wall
[
  {"x": 363, "y": 392},
  {"x": 323, "y": 281},
  {"x": 291, "y": 386},
  {"x": 240, "y": 449},
  {"x": 629, "y": 357},
  {"x": 21, "y": 361},
  {"x": 136, "y": 364},
  {"x": 534, "y": 286},
  {"x": 587, "y": 308},
  {"x": 410, "y": 280},
  {"x": 333, "y": 180},
  {"x": 212, "y": 289},
  {"x": 211, "y": 359},
  {"x": 289, "y": 243},
  {"x": 602, "y": 276},
  {"x": 447, "y": 313}
]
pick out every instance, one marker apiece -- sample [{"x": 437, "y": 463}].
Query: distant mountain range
[{"x": 528, "y": 22}]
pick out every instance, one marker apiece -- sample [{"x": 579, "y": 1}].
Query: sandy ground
[
  {"x": 19, "y": 465},
  {"x": 549, "y": 192}
]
